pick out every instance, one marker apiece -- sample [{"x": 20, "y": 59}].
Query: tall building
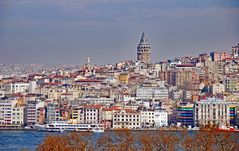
[
  {"x": 92, "y": 113},
  {"x": 235, "y": 51},
  {"x": 185, "y": 115},
  {"x": 219, "y": 56},
  {"x": 11, "y": 113},
  {"x": 31, "y": 113},
  {"x": 52, "y": 113},
  {"x": 143, "y": 50}
]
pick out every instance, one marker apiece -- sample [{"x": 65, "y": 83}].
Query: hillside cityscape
[{"x": 185, "y": 92}]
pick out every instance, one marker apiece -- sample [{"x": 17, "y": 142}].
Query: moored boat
[{"x": 61, "y": 126}]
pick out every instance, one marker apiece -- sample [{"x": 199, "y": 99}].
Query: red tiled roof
[
  {"x": 130, "y": 111},
  {"x": 230, "y": 59},
  {"x": 66, "y": 94},
  {"x": 88, "y": 80},
  {"x": 93, "y": 106},
  {"x": 52, "y": 83},
  {"x": 58, "y": 76},
  {"x": 107, "y": 109},
  {"x": 35, "y": 74},
  {"x": 185, "y": 65},
  {"x": 18, "y": 95}
]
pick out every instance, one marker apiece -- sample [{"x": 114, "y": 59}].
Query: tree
[{"x": 67, "y": 142}]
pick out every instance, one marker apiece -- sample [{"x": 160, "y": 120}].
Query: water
[{"x": 17, "y": 140}]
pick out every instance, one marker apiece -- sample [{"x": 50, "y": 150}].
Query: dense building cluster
[{"x": 188, "y": 91}]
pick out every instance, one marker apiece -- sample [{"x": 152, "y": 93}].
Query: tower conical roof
[{"x": 143, "y": 39}]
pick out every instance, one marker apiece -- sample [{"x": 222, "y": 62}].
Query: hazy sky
[{"x": 67, "y": 31}]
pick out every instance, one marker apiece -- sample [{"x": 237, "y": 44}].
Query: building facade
[
  {"x": 149, "y": 93},
  {"x": 213, "y": 111},
  {"x": 6, "y": 105},
  {"x": 126, "y": 119},
  {"x": 147, "y": 119},
  {"x": 185, "y": 115},
  {"x": 92, "y": 114},
  {"x": 160, "y": 118},
  {"x": 17, "y": 87},
  {"x": 217, "y": 88},
  {"x": 219, "y": 56},
  {"x": 17, "y": 115},
  {"x": 31, "y": 113},
  {"x": 235, "y": 51}
]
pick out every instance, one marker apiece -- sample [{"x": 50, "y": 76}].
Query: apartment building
[
  {"x": 126, "y": 119},
  {"x": 17, "y": 87},
  {"x": 11, "y": 113},
  {"x": 92, "y": 113}
]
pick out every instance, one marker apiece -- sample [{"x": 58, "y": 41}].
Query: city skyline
[{"x": 60, "y": 32}]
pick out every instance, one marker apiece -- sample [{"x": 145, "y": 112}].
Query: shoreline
[
  {"x": 23, "y": 129},
  {"x": 17, "y": 129},
  {"x": 135, "y": 130},
  {"x": 149, "y": 129}
]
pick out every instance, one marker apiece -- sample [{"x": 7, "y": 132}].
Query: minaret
[
  {"x": 88, "y": 65},
  {"x": 143, "y": 50}
]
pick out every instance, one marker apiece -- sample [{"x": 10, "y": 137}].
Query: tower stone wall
[{"x": 144, "y": 50}]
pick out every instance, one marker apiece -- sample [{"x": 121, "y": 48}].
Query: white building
[
  {"x": 52, "y": 112},
  {"x": 213, "y": 112},
  {"x": 160, "y": 118},
  {"x": 157, "y": 93},
  {"x": 147, "y": 119},
  {"x": 95, "y": 100},
  {"x": 235, "y": 51},
  {"x": 32, "y": 86},
  {"x": 6, "y": 105},
  {"x": 176, "y": 95},
  {"x": 107, "y": 114},
  {"x": 217, "y": 88},
  {"x": 187, "y": 95},
  {"x": 126, "y": 119},
  {"x": 127, "y": 98},
  {"x": 17, "y": 87}
]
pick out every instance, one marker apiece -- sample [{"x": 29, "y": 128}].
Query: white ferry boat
[{"x": 61, "y": 126}]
